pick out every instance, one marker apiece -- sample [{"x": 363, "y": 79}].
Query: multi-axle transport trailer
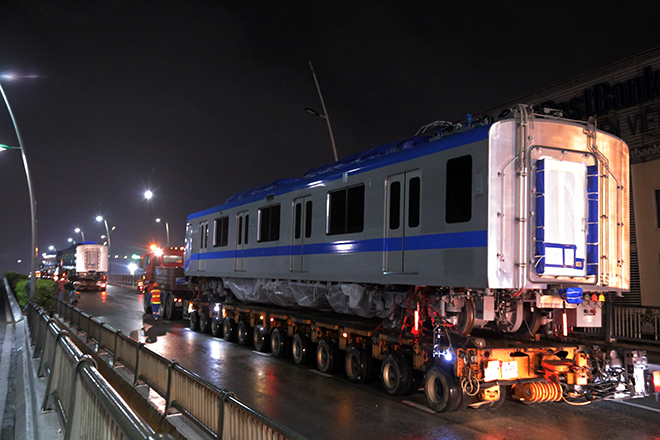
[{"x": 391, "y": 260}]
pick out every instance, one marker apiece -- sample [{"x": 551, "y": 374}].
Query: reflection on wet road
[{"x": 319, "y": 407}]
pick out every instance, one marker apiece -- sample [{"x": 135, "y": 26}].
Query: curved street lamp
[
  {"x": 325, "y": 115},
  {"x": 100, "y": 218},
  {"x": 167, "y": 229},
  {"x": 148, "y": 194},
  {"x": 33, "y": 203},
  {"x": 79, "y": 231}
]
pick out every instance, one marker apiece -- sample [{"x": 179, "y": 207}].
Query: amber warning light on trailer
[{"x": 656, "y": 381}]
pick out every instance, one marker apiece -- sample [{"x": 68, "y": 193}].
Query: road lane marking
[
  {"x": 418, "y": 406},
  {"x": 320, "y": 374},
  {"x": 637, "y": 405}
]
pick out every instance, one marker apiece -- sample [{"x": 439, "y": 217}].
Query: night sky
[{"x": 197, "y": 100}]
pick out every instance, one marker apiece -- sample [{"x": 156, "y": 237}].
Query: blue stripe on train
[{"x": 454, "y": 240}]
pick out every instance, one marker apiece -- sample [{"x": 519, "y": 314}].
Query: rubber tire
[
  {"x": 327, "y": 355},
  {"x": 194, "y": 320},
  {"x": 279, "y": 342},
  {"x": 301, "y": 349},
  {"x": 442, "y": 393},
  {"x": 229, "y": 329},
  {"x": 260, "y": 339},
  {"x": 204, "y": 323},
  {"x": 244, "y": 334},
  {"x": 169, "y": 312},
  {"x": 216, "y": 327},
  {"x": 357, "y": 364},
  {"x": 396, "y": 374}
]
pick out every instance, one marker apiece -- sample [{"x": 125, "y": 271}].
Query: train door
[
  {"x": 242, "y": 228},
  {"x": 300, "y": 233},
  {"x": 565, "y": 225},
  {"x": 203, "y": 245},
  {"x": 402, "y": 219}
]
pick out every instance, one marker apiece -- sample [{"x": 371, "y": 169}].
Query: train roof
[{"x": 383, "y": 155}]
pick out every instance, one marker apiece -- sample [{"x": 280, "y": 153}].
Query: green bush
[
  {"x": 13, "y": 278},
  {"x": 44, "y": 294}
]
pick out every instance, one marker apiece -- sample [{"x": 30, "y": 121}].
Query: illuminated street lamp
[
  {"x": 167, "y": 229},
  {"x": 100, "y": 218},
  {"x": 33, "y": 204},
  {"x": 149, "y": 195},
  {"x": 71, "y": 240},
  {"x": 79, "y": 231}
]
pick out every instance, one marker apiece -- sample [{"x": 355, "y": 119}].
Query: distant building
[{"x": 625, "y": 98}]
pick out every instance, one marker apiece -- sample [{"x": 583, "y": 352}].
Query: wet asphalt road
[{"x": 321, "y": 407}]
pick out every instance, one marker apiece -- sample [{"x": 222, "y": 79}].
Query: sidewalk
[{"x": 21, "y": 416}]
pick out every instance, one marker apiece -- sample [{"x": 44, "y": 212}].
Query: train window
[
  {"x": 308, "y": 219},
  {"x": 298, "y": 221},
  {"x": 220, "y": 231},
  {"x": 239, "y": 236},
  {"x": 203, "y": 235},
  {"x": 458, "y": 196},
  {"x": 247, "y": 228},
  {"x": 414, "y": 193},
  {"x": 395, "y": 205},
  {"x": 269, "y": 224},
  {"x": 345, "y": 211}
]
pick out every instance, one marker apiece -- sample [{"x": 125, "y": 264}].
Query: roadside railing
[
  {"x": 85, "y": 403},
  {"x": 627, "y": 324},
  {"x": 130, "y": 280},
  {"x": 218, "y": 412}
]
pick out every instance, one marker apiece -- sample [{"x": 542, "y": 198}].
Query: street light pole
[
  {"x": 325, "y": 112},
  {"x": 80, "y": 231},
  {"x": 33, "y": 203},
  {"x": 107, "y": 231},
  {"x": 167, "y": 230}
]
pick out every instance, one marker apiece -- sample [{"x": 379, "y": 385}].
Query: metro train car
[
  {"x": 86, "y": 265},
  {"x": 507, "y": 223}
]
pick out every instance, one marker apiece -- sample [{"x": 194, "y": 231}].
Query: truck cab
[{"x": 164, "y": 266}]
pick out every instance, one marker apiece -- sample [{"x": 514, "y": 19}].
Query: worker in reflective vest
[{"x": 155, "y": 300}]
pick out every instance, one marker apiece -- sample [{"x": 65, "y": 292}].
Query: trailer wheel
[
  {"x": 279, "y": 342},
  {"x": 194, "y": 320},
  {"x": 244, "y": 336},
  {"x": 228, "y": 329},
  {"x": 204, "y": 323},
  {"x": 531, "y": 322},
  {"x": 300, "y": 349},
  {"x": 169, "y": 307},
  {"x": 260, "y": 339},
  {"x": 357, "y": 364},
  {"x": 216, "y": 327},
  {"x": 442, "y": 393},
  {"x": 396, "y": 374},
  {"x": 327, "y": 355}
]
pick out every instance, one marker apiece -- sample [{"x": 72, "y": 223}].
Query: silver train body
[{"x": 492, "y": 225}]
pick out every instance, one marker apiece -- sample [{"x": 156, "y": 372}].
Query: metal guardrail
[
  {"x": 86, "y": 405},
  {"x": 218, "y": 412},
  {"x": 130, "y": 280},
  {"x": 626, "y": 324}
]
